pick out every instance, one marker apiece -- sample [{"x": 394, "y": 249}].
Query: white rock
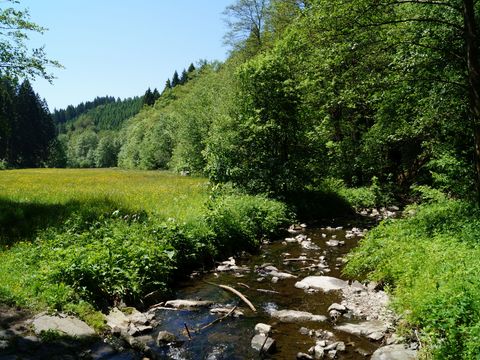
[
  {"x": 394, "y": 352},
  {"x": 187, "y": 304},
  {"x": 262, "y": 328},
  {"x": 296, "y": 316},
  {"x": 68, "y": 325},
  {"x": 364, "y": 328},
  {"x": 263, "y": 343},
  {"x": 282, "y": 275},
  {"x": 332, "y": 243},
  {"x": 324, "y": 283}
]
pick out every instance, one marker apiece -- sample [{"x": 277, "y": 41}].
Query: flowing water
[{"x": 231, "y": 337}]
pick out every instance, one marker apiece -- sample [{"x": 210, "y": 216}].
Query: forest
[{"x": 371, "y": 103}]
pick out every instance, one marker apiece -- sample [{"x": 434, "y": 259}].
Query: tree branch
[
  {"x": 424, "y": 2},
  {"x": 421, "y": 20}
]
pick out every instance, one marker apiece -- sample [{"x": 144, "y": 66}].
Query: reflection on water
[{"x": 230, "y": 338}]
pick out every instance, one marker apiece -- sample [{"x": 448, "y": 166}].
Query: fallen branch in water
[
  {"x": 188, "y": 331},
  {"x": 163, "y": 308},
  {"x": 236, "y": 292},
  {"x": 240, "y": 295},
  {"x": 268, "y": 291},
  {"x": 299, "y": 259},
  {"x": 217, "y": 319},
  {"x": 244, "y": 285}
]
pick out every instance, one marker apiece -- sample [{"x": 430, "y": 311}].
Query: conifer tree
[
  {"x": 175, "y": 79},
  {"x": 184, "y": 77},
  {"x": 168, "y": 85},
  {"x": 33, "y": 130},
  {"x": 155, "y": 95},
  {"x": 148, "y": 98},
  {"x": 191, "y": 68}
]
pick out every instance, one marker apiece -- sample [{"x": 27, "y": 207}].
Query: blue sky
[{"x": 120, "y": 48}]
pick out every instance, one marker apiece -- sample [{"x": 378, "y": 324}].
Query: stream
[{"x": 322, "y": 251}]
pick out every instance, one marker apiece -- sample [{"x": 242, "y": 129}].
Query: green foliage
[
  {"x": 15, "y": 58},
  {"x": 103, "y": 248},
  {"x": 430, "y": 260},
  {"x": 238, "y": 220},
  {"x": 266, "y": 148},
  {"x": 112, "y": 259},
  {"x": 89, "y": 133},
  {"x": 26, "y": 129}
]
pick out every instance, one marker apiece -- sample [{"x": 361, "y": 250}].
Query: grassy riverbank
[
  {"x": 430, "y": 261},
  {"x": 73, "y": 237}
]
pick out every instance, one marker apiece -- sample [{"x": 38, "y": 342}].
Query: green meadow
[
  {"x": 86, "y": 239},
  {"x": 157, "y": 192}
]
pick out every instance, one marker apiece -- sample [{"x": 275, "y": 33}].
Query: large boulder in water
[
  {"x": 374, "y": 330},
  {"x": 324, "y": 283},
  {"x": 394, "y": 352},
  {"x": 296, "y": 316},
  {"x": 64, "y": 324}
]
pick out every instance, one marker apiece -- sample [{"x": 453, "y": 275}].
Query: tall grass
[
  {"x": 160, "y": 193},
  {"x": 102, "y": 236}
]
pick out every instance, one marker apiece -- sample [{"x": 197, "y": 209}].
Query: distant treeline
[
  {"x": 71, "y": 112},
  {"x": 310, "y": 91},
  {"x": 27, "y": 132}
]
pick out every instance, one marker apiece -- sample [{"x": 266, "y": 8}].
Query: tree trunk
[{"x": 473, "y": 68}]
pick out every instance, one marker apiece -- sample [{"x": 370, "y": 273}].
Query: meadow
[
  {"x": 83, "y": 240},
  {"x": 158, "y": 192}
]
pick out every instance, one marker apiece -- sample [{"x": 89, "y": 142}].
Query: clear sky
[{"x": 119, "y": 47}]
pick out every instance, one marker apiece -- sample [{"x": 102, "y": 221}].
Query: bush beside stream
[
  {"x": 429, "y": 260},
  {"x": 85, "y": 251}
]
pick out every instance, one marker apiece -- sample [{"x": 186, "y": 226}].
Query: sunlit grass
[
  {"x": 161, "y": 194},
  {"x": 63, "y": 244}
]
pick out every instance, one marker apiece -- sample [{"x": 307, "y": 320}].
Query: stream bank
[{"x": 303, "y": 304}]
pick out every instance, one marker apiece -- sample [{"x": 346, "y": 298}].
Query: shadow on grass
[
  {"x": 21, "y": 221},
  {"x": 318, "y": 204}
]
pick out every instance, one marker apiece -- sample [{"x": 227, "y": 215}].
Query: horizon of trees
[{"x": 311, "y": 90}]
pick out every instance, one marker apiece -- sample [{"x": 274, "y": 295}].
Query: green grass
[
  {"x": 161, "y": 193},
  {"x": 84, "y": 239},
  {"x": 431, "y": 263}
]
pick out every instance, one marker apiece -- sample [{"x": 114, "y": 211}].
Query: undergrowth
[
  {"x": 430, "y": 261},
  {"x": 88, "y": 257}
]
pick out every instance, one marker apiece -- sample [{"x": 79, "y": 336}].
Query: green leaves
[{"x": 15, "y": 58}]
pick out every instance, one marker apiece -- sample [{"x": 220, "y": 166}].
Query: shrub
[
  {"x": 239, "y": 221},
  {"x": 430, "y": 261}
]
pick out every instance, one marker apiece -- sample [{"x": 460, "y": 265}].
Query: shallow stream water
[{"x": 231, "y": 338}]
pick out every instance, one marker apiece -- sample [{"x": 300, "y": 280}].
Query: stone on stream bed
[
  {"x": 327, "y": 348},
  {"x": 225, "y": 311},
  {"x": 335, "y": 243},
  {"x": 188, "y": 304},
  {"x": 131, "y": 321},
  {"x": 263, "y": 329},
  {"x": 263, "y": 343},
  {"x": 323, "y": 283},
  {"x": 270, "y": 270},
  {"x": 296, "y": 316},
  {"x": 165, "y": 337},
  {"x": 374, "y": 330},
  {"x": 394, "y": 352},
  {"x": 62, "y": 323}
]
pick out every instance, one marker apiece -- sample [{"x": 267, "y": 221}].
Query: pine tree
[
  {"x": 6, "y": 119},
  {"x": 33, "y": 130},
  {"x": 191, "y": 68},
  {"x": 175, "y": 79},
  {"x": 155, "y": 95},
  {"x": 148, "y": 98},
  {"x": 184, "y": 77},
  {"x": 168, "y": 85}
]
